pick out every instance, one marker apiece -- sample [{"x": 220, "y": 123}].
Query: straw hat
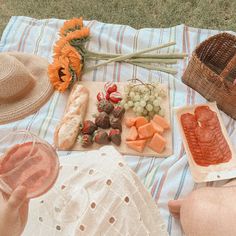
[{"x": 24, "y": 85}]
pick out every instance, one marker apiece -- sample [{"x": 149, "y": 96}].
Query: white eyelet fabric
[{"x": 96, "y": 194}]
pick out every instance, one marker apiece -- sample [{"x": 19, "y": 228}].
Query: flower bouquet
[{"x": 70, "y": 55}]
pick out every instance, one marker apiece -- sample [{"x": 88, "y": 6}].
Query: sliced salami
[
  {"x": 188, "y": 120},
  {"x": 205, "y": 138},
  {"x": 203, "y": 113}
]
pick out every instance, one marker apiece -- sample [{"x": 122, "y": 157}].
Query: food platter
[
  {"x": 94, "y": 88},
  {"x": 204, "y": 170}
]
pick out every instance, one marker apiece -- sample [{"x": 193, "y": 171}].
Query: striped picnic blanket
[{"x": 165, "y": 178}]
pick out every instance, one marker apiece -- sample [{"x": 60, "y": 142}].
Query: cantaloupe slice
[
  {"x": 140, "y": 120},
  {"x": 146, "y": 131},
  {"x": 158, "y": 143},
  {"x": 129, "y": 121},
  {"x": 157, "y": 127},
  {"x": 161, "y": 121},
  {"x": 137, "y": 145},
  {"x": 133, "y": 134}
]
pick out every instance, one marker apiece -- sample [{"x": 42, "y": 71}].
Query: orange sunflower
[
  {"x": 71, "y": 25},
  {"x": 69, "y": 54},
  {"x": 60, "y": 74},
  {"x": 59, "y": 45},
  {"x": 75, "y": 59},
  {"x": 83, "y": 33},
  {"x": 65, "y": 50}
]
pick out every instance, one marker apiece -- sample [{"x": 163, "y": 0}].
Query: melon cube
[
  {"x": 157, "y": 127},
  {"x": 158, "y": 143},
  {"x": 146, "y": 131},
  {"x": 161, "y": 121},
  {"x": 140, "y": 120},
  {"x": 130, "y": 121},
  {"x": 137, "y": 145},
  {"x": 133, "y": 134}
]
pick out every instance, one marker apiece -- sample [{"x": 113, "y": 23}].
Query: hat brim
[{"x": 36, "y": 97}]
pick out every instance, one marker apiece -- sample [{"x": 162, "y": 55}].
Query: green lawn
[{"x": 218, "y": 14}]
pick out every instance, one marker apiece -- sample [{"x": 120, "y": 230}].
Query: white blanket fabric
[{"x": 165, "y": 178}]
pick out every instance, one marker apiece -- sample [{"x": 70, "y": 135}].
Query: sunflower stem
[
  {"x": 141, "y": 60},
  {"x": 152, "y": 60},
  {"x": 155, "y": 56},
  {"x": 168, "y": 70},
  {"x": 130, "y": 55}
]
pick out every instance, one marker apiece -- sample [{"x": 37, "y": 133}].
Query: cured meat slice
[
  {"x": 189, "y": 125},
  {"x": 188, "y": 120},
  {"x": 205, "y": 138},
  {"x": 223, "y": 145},
  {"x": 204, "y": 135},
  {"x": 212, "y": 123},
  {"x": 33, "y": 165},
  {"x": 203, "y": 113}
]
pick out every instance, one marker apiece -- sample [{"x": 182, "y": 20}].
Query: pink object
[
  {"x": 34, "y": 165},
  {"x": 110, "y": 87},
  {"x": 115, "y": 97},
  {"x": 107, "y": 96},
  {"x": 100, "y": 96}
]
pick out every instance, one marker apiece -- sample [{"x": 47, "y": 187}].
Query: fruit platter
[
  {"x": 134, "y": 117},
  {"x": 209, "y": 150}
]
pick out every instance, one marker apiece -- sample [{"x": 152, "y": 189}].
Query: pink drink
[{"x": 32, "y": 164}]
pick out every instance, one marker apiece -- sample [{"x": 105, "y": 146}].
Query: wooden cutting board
[{"x": 94, "y": 88}]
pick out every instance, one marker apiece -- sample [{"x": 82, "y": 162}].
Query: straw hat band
[{"x": 14, "y": 78}]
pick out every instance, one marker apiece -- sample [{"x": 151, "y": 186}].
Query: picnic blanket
[{"x": 166, "y": 178}]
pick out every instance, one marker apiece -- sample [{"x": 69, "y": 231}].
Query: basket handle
[{"x": 230, "y": 66}]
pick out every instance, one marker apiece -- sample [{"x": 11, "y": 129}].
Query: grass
[{"x": 216, "y": 14}]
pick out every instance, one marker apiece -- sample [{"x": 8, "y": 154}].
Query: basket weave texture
[{"x": 212, "y": 70}]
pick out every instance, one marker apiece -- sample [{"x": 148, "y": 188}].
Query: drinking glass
[{"x": 26, "y": 160}]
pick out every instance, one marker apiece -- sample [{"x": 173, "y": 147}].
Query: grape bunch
[{"x": 144, "y": 99}]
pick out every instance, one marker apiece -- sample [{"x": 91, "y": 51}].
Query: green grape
[
  {"x": 157, "y": 109},
  {"x": 139, "y": 89},
  {"x": 146, "y": 97},
  {"x": 132, "y": 94},
  {"x": 159, "y": 100},
  {"x": 142, "y": 103},
  {"x": 140, "y": 109},
  {"x": 136, "y": 88},
  {"x": 137, "y": 97},
  {"x": 126, "y": 106},
  {"x": 142, "y": 89},
  {"x": 136, "y": 104},
  {"x": 156, "y": 103},
  {"x": 151, "y": 98},
  {"x": 145, "y": 89},
  {"x": 149, "y": 107},
  {"x": 126, "y": 89},
  {"x": 130, "y": 103}
]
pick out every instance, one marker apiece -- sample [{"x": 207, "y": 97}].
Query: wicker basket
[{"x": 212, "y": 70}]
